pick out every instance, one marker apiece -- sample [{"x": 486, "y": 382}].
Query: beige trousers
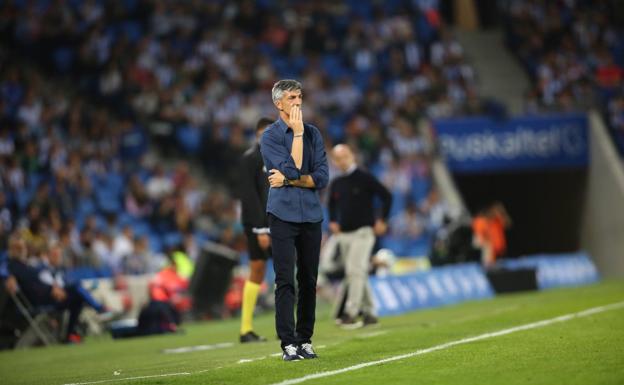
[{"x": 355, "y": 249}]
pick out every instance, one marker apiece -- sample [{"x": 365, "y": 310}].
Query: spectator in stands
[
  {"x": 52, "y": 272},
  {"x": 159, "y": 185},
  {"x": 175, "y": 68},
  {"x": 6, "y": 213},
  {"x": 572, "y": 51},
  {"x": 7, "y": 145},
  {"x": 8, "y": 280},
  {"x": 41, "y": 293},
  {"x": 123, "y": 243},
  {"x": 141, "y": 260},
  {"x": 102, "y": 248},
  {"x": 137, "y": 200},
  {"x": 409, "y": 223}
]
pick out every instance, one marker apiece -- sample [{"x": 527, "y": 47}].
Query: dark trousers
[
  {"x": 73, "y": 303},
  {"x": 305, "y": 239}
]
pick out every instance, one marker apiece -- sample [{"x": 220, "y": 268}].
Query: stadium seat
[{"x": 189, "y": 138}]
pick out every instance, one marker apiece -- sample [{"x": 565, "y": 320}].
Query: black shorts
[{"x": 255, "y": 252}]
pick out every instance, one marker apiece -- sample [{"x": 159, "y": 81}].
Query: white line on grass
[
  {"x": 371, "y": 335},
  {"x": 533, "y": 325},
  {"x": 132, "y": 378},
  {"x": 197, "y": 348},
  {"x": 246, "y": 360}
]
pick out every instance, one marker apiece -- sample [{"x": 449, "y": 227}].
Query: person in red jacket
[
  {"x": 168, "y": 300},
  {"x": 489, "y": 233},
  {"x": 168, "y": 286}
]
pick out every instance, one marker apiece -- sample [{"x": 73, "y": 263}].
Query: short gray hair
[{"x": 284, "y": 85}]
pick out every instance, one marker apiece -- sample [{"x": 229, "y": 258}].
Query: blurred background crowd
[
  {"x": 90, "y": 89},
  {"x": 122, "y": 123},
  {"x": 574, "y": 53}
]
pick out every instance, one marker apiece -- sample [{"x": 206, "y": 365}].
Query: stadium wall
[
  {"x": 602, "y": 223},
  {"x": 535, "y": 165}
]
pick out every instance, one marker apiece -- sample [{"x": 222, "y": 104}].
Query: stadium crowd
[
  {"x": 103, "y": 80},
  {"x": 71, "y": 174},
  {"x": 574, "y": 53}
]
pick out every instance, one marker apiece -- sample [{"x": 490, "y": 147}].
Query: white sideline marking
[
  {"x": 132, "y": 378},
  {"x": 533, "y": 325},
  {"x": 246, "y": 360},
  {"x": 207, "y": 370},
  {"x": 372, "y": 334},
  {"x": 197, "y": 348}
]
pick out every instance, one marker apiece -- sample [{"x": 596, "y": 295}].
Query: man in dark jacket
[
  {"x": 294, "y": 154},
  {"x": 354, "y": 223},
  {"x": 40, "y": 293},
  {"x": 254, "y": 190}
]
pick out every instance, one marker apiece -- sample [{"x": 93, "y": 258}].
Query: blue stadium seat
[
  {"x": 189, "y": 138},
  {"x": 332, "y": 64},
  {"x": 172, "y": 239},
  {"x": 335, "y": 128},
  {"x": 63, "y": 59},
  {"x": 155, "y": 242},
  {"x": 398, "y": 203},
  {"x": 86, "y": 206},
  {"x": 23, "y": 198},
  {"x": 132, "y": 30},
  {"x": 108, "y": 201},
  {"x": 140, "y": 228}
]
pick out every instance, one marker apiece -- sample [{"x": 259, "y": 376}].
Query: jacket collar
[{"x": 282, "y": 125}]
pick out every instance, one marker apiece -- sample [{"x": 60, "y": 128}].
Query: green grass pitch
[{"x": 583, "y": 350}]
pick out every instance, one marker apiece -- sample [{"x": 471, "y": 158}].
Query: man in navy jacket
[
  {"x": 40, "y": 293},
  {"x": 294, "y": 154}
]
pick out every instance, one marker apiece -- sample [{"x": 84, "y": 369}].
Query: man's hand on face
[
  {"x": 276, "y": 179},
  {"x": 295, "y": 120}
]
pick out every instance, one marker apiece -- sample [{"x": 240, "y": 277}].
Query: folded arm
[
  {"x": 276, "y": 180},
  {"x": 276, "y": 156}
]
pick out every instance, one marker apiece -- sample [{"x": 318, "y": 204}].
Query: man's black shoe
[
  {"x": 347, "y": 322},
  {"x": 291, "y": 353},
  {"x": 251, "y": 337},
  {"x": 306, "y": 351},
  {"x": 370, "y": 320}
]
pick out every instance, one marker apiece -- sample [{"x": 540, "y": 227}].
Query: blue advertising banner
[
  {"x": 557, "y": 270},
  {"x": 436, "y": 287},
  {"x": 473, "y": 145},
  {"x": 398, "y": 294}
]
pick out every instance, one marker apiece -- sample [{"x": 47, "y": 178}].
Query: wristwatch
[{"x": 286, "y": 182}]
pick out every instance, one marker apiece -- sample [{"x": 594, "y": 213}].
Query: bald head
[{"x": 343, "y": 157}]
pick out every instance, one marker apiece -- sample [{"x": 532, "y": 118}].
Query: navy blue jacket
[
  {"x": 29, "y": 282},
  {"x": 290, "y": 203}
]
